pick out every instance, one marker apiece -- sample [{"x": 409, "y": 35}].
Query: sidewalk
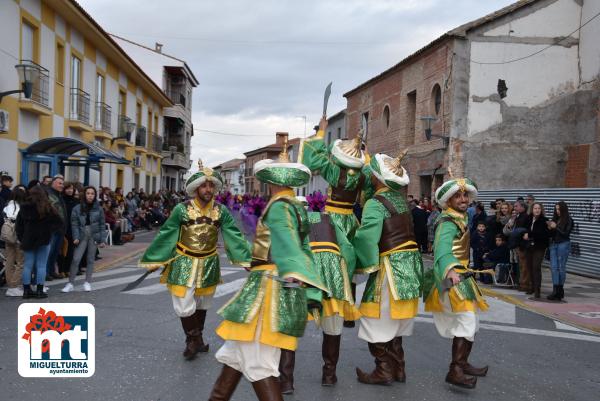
[
  {"x": 115, "y": 255},
  {"x": 580, "y": 308}
]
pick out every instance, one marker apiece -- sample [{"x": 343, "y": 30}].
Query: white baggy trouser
[{"x": 385, "y": 328}]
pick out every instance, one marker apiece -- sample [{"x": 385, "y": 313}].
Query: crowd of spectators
[{"x": 52, "y": 229}]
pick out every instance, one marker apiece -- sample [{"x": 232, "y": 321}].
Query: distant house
[
  {"x": 252, "y": 185},
  {"x": 233, "y": 172}
]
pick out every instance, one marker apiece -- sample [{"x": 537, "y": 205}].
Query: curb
[{"x": 517, "y": 302}]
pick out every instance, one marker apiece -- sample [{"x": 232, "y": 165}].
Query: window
[
  {"x": 75, "y": 72},
  {"x": 60, "y": 63},
  {"x": 339, "y": 133},
  {"x": 99, "y": 88},
  {"x": 436, "y": 99},
  {"x": 364, "y": 124},
  {"x": 28, "y": 42},
  {"x": 386, "y": 116},
  {"x": 138, "y": 114},
  {"x": 328, "y": 137},
  {"x": 122, "y": 103}
]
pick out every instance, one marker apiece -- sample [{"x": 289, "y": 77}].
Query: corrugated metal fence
[{"x": 584, "y": 206}]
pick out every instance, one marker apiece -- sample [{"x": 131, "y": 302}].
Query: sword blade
[
  {"x": 137, "y": 282},
  {"x": 326, "y": 98}
]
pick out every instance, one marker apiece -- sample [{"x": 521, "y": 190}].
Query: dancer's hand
[{"x": 452, "y": 275}]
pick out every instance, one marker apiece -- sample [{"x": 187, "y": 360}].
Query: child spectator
[
  {"x": 499, "y": 255},
  {"x": 479, "y": 244}
]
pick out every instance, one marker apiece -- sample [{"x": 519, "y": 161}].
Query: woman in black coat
[
  {"x": 538, "y": 236},
  {"x": 36, "y": 222}
]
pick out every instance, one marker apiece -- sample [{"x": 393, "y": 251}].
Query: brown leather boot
[
  {"x": 225, "y": 384},
  {"x": 397, "y": 353},
  {"x": 456, "y": 375},
  {"x": 267, "y": 389},
  {"x": 201, "y": 316},
  {"x": 286, "y": 371},
  {"x": 350, "y": 323},
  {"x": 383, "y": 373},
  {"x": 470, "y": 369},
  {"x": 331, "y": 353},
  {"x": 193, "y": 336}
]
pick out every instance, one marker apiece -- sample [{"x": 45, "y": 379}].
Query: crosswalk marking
[
  {"x": 105, "y": 273},
  {"x": 525, "y": 330}
]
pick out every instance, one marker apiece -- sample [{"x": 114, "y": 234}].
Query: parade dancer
[
  {"x": 451, "y": 292},
  {"x": 186, "y": 246},
  {"x": 341, "y": 165},
  {"x": 386, "y": 249},
  {"x": 270, "y": 311},
  {"x": 335, "y": 261}
]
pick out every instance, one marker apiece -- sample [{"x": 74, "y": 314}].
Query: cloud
[{"x": 263, "y": 63}]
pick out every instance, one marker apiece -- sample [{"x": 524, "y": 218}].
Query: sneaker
[
  {"x": 87, "y": 286},
  {"x": 14, "y": 292},
  {"x": 68, "y": 288}
]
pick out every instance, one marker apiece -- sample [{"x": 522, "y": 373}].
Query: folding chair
[
  {"x": 504, "y": 269},
  {"x": 108, "y": 235}
]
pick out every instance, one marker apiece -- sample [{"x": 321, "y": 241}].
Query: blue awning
[{"x": 70, "y": 146}]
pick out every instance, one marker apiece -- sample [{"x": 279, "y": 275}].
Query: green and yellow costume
[
  {"x": 335, "y": 261},
  {"x": 281, "y": 251},
  {"x": 452, "y": 248},
  {"x": 385, "y": 247},
  {"x": 186, "y": 246},
  {"x": 348, "y": 183}
]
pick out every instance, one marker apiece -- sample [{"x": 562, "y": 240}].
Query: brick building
[{"x": 501, "y": 111}]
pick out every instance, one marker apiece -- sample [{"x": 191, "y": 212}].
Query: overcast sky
[{"x": 262, "y": 64}]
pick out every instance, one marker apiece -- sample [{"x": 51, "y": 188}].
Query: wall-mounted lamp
[{"x": 28, "y": 74}]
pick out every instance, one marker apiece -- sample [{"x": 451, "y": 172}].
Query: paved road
[{"x": 531, "y": 357}]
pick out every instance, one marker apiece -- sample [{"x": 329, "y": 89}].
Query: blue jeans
[
  {"x": 559, "y": 253},
  {"x": 56, "y": 242},
  {"x": 36, "y": 258}
]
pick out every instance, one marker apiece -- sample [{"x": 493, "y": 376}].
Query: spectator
[
  {"x": 111, "y": 219},
  {"x": 431, "y": 220},
  {"x": 13, "y": 252},
  {"x": 515, "y": 228},
  {"x": 33, "y": 183},
  {"x": 119, "y": 194},
  {"x": 539, "y": 237},
  {"x": 130, "y": 205},
  {"x": 55, "y": 196},
  {"x": 479, "y": 245},
  {"x": 89, "y": 232},
  {"x": 420, "y": 224},
  {"x": 46, "y": 181},
  {"x": 36, "y": 221},
  {"x": 478, "y": 217},
  {"x": 6, "y": 191},
  {"x": 471, "y": 211},
  {"x": 70, "y": 202},
  {"x": 560, "y": 227},
  {"x": 500, "y": 255},
  {"x": 529, "y": 203},
  {"x": 427, "y": 204},
  {"x": 104, "y": 195}
]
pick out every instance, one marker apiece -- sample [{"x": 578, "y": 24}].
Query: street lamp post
[
  {"x": 28, "y": 74},
  {"x": 428, "y": 134}
]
